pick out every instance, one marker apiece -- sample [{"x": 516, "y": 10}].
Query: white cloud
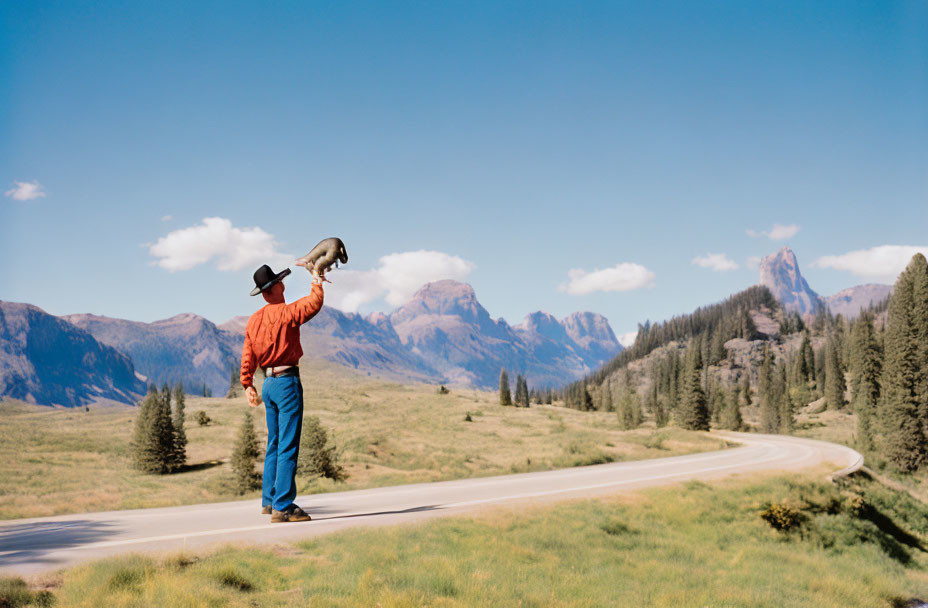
[
  {"x": 396, "y": 278},
  {"x": 718, "y": 262},
  {"x": 779, "y": 232},
  {"x": 879, "y": 263},
  {"x": 628, "y": 339},
  {"x": 753, "y": 261},
  {"x": 166, "y": 218},
  {"x": 624, "y": 276},
  {"x": 26, "y": 191},
  {"x": 217, "y": 240}
]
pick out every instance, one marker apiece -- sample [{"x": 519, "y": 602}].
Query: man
[{"x": 272, "y": 341}]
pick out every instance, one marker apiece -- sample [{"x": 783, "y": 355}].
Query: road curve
[{"x": 34, "y": 546}]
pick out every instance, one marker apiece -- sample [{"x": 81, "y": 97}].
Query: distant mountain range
[
  {"x": 443, "y": 334},
  {"x": 45, "y": 359}
]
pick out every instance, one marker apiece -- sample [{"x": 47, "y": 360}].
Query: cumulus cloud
[
  {"x": 396, "y": 278},
  {"x": 26, "y": 191},
  {"x": 779, "y": 232},
  {"x": 879, "y": 263},
  {"x": 625, "y": 276},
  {"x": 217, "y": 240},
  {"x": 628, "y": 339},
  {"x": 718, "y": 262},
  {"x": 166, "y": 218}
]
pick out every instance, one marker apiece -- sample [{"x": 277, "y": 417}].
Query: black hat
[{"x": 265, "y": 277}]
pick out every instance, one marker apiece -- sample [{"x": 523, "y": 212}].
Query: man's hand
[{"x": 253, "y": 399}]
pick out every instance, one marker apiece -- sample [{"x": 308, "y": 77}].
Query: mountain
[
  {"x": 185, "y": 348},
  {"x": 453, "y": 333},
  {"x": 779, "y": 272},
  {"x": 849, "y": 302},
  {"x": 47, "y": 360}
]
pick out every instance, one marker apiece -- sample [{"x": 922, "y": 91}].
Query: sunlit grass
[
  {"x": 63, "y": 461},
  {"x": 693, "y": 544}
]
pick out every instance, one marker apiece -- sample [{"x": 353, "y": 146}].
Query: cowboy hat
[{"x": 265, "y": 277}]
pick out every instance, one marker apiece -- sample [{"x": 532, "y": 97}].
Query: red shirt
[{"x": 272, "y": 336}]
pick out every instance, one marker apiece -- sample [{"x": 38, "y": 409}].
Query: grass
[
  {"x": 696, "y": 544},
  {"x": 65, "y": 461}
]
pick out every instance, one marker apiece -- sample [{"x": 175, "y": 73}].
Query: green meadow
[
  {"x": 858, "y": 544},
  {"x": 65, "y": 461}
]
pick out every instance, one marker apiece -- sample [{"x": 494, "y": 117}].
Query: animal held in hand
[{"x": 328, "y": 252}]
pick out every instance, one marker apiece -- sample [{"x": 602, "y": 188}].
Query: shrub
[
  {"x": 782, "y": 517},
  {"x": 202, "y": 418},
  {"x": 467, "y": 417},
  {"x": 442, "y": 390},
  {"x": 14, "y": 593}
]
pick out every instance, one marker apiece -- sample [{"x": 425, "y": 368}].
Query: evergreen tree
[
  {"x": 179, "y": 444},
  {"x": 522, "y": 398},
  {"x": 244, "y": 457},
  {"x": 746, "y": 388},
  {"x": 145, "y": 443},
  {"x": 587, "y": 403},
  {"x": 692, "y": 412},
  {"x": 766, "y": 394},
  {"x": 629, "y": 407},
  {"x": 868, "y": 367},
  {"x": 505, "y": 397},
  {"x": 730, "y": 417},
  {"x": 317, "y": 457},
  {"x": 785, "y": 415},
  {"x": 834, "y": 375},
  {"x": 235, "y": 383},
  {"x": 904, "y": 441}
]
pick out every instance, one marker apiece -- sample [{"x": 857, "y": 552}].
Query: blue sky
[{"x": 521, "y": 146}]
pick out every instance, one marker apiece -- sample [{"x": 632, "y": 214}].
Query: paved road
[{"x": 32, "y": 546}]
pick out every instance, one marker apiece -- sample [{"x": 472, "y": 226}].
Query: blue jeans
[{"x": 283, "y": 400}]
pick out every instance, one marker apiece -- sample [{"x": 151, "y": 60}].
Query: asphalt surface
[{"x": 34, "y": 546}]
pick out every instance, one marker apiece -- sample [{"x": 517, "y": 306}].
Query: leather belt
[{"x": 282, "y": 370}]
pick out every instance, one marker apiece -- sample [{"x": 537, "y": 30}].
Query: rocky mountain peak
[
  {"x": 779, "y": 272},
  {"x": 446, "y": 298}
]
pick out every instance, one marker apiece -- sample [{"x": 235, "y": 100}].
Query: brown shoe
[
  {"x": 266, "y": 510},
  {"x": 293, "y": 513}
]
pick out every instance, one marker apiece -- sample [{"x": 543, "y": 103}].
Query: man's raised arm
[{"x": 306, "y": 308}]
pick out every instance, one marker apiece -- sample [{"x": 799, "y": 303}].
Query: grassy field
[
  {"x": 693, "y": 544},
  {"x": 63, "y": 461}
]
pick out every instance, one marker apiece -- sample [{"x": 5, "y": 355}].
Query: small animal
[{"x": 328, "y": 252}]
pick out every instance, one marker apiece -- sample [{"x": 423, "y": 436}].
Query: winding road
[{"x": 34, "y": 546}]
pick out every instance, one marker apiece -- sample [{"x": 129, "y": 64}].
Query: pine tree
[
  {"x": 235, "y": 383},
  {"x": 244, "y": 456},
  {"x": 730, "y": 417},
  {"x": 834, "y": 375},
  {"x": 587, "y": 400},
  {"x": 521, "y": 398},
  {"x": 164, "y": 429},
  {"x": 904, "y": 441},
  {"x": 179, "y": 451},
  {"x": 785, "y": 415},
  {"x": 868, "y": 367},
  {"x": 145, "y": 443},
  {"x": 629, "y": 407},
  {"x": 766, "y": 394},
  {"x": 318, "y": 458},
  {"x": 505, "y": 397},
  {"x": 746, "y": 388},
  {"x": 692, "y": 412}
]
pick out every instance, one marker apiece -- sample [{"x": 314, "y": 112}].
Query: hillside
[
  {"x": 46, "y": 360},
  {"x": 65, "y": 461}
]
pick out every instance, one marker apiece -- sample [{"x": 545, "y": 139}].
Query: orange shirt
[{"x": 272, "y": 336}]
